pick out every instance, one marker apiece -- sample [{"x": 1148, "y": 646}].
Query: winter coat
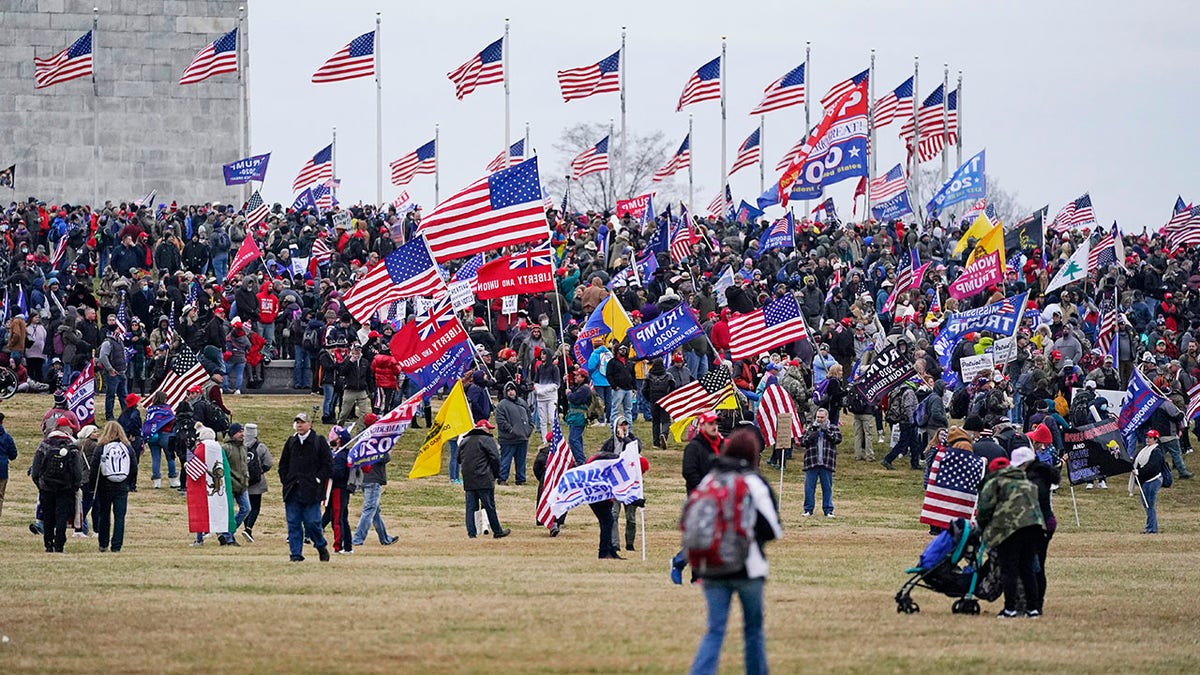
[
  {"x": 698, "y": 456},
  {"x": 375, "y": 473},
  {"x": 239, "y": 475},
  {"x": 101, "y": 485},
  {"x": 304, "y": 466},
  {"x": 254, "y": 445},
  {"x": 1008, "y": 501},
  {"x": 479, "y": 456},
  {"x": 8, "y": 452},
  {"x": 620, "y": 374},
  {"x": 52, "y": 444},
  {"x": 385, "y": 370},
  {"x": 659, "y": 383},
  {"x": 356, "y": 375},
  {"x": 478, "y": 398},
  {"x": 820, "y": 447},
  {"x": 1043, "y": 476},
  {"x": 513, "y": 422}
]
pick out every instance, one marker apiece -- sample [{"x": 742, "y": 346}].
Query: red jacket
[
  {"x": 386, "y": 371},
  {"x": 268, "y": 305},
  {"x": 720, "y": 335},
  {"x": 257, "y": 342}
]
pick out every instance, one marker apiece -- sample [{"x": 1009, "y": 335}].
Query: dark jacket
[
  {"x": 102, "y": 485},
  {"x": 53, "y": 443},
  {"x": 659, "y": 382},
  {"x": 478, "y": 398},
  {"x": 304, "y": 467},
  {"x": 8, "y": 452},
  {"x": 1043, "y": 476},
  {"x": 512, "y": 420},
  {"x": 698, "y": 457},
  {"x": 620, "y": 374},
  {"x": 479, "y": 456},
  {"x": 376, "y": 472},
  {"x": 356, "y": 375}
]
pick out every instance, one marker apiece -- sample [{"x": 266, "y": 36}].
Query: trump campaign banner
[
  {"x": 246, "y": 170},
  {"x": 1001, "y": 318},
  {"x": 885, "y": 373},
  {"x": 377, "y": 440},
  {"x": 81, "y": 394},
  {"x": 840, "y": 153},
  {"x": 983, "y": 272},
  {"x": 635, "y": 207},
  {"x": 896, "y": 207},
  {"x": 665, "y": 333},
  {"x": 1142, "y": 398},
  {"x": 600, "y": 480},
  {"x": 968, "y": 183},
  {"x": 528, "y": 272}
]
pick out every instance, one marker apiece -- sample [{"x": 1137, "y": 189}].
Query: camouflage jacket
[{"x": 1008, "y": 501}]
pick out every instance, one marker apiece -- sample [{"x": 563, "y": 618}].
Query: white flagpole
[
  {"x": 691, "y": 146},
  {"x": 95, "y": 118},
  {"x": 507, "y": 155},
  {"x": 871, "y": 152},
  {"x": 333, "y": 165},
  {"x": 618, "y": 155},
  {"x": 807, "y": 98},
  {"x": 243, "y": 69},
  {"x": 437, "y": 161},
  {"x": 945, "y": 120},
  {"x": 915, "y": 159},
  {"x": 378, "y": 110},
  {"x": 959, "y": 111},
  {"x": 528, "y": 148},
  {"x": 612, "y": 176},
  {"x": 724, "y": 145},
  {"x": 762, "y": 153}
]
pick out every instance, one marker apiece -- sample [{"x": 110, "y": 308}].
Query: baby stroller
[{"x": 938, "y": 570}]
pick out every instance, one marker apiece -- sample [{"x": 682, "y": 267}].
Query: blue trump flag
[
  {"x": 782, "y": 233},
  {"x": 305, "y": 200},
  {"x": 664, "y": 334},
  {"x": 593, "y": 328},
  {"x": 967, "y": 184},
  {"x": 1001, "y": 318},
  {"x": 246, "y": 170},
  {"x": 896, "y": 207},
  {"x": 660, "y": 238},
  {"x": 1141, "y": 400},
  {"x": 747, "y": 212}
]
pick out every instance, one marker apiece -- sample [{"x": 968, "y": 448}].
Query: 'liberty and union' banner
[{"x": 246, "y": 170}]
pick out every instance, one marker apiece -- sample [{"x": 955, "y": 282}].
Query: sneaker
[
  {"x": 1008, "y": 614},
  {"x": 232, "y": 541},
  {"x": 887, "y": 465},
  {"x": 502, "y": 534},
  {"x": 554, "y": 531},
  {"x": 196, "y": 543},
  {"x": 237, "y": 392},
  {"x": 676, "y": 575},
  {"x": 80, "y": 534},
  {"x": 598, "y": 423},
  {"x": 296, "y": 558},
  {"x": 456, "y": 481},
  {"x": 1186, "y": 476},
  {"x": 323, "y": 553},
  {"x": 1034, "y": 613},
  {"x": 881, "y": 437},
  {"x": 807, "y": 514},
  {"x": 156, "y": 483},
  {"x": 248, "y": 535},
  {"x": 1103, "y": 485},
  {"x": 390, "y": 540},
  {"x": 1089, "y": 486},
  {"x": 830, "y": 515}
]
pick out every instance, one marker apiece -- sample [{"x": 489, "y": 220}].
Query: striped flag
[
  {"x": 486, "y": 67},
  {"x": 700, "y": 395},
  {"x": 717, "y": 206},
  {"x": 1187, "y": 233},
  {"x": 1102, "y": 254},
  {"x": 195, "y": 468},
  {"x": 1193, "y": 408},
  {"x": 748, "y": 154},
  {"x": 323, "y": 195},
  {"x": 842, "y": 88},
  {"x": 599, "y": 78},
  {"x": 777, "y": 323},
  {"x": 146, "y": 200},
  {"x": 1074, "y": 214},
  {"x": 423, "y": 160},
  {"x": 516, "y": 154},
  {"x": 934, "y": 134},
  {"x": 897, "y": 102},
  {"x": 503, "y": 209},
  {"x": 785, "y": 92},
  {"x": 556, "y": 465},
  {"x": 1107, "y": 335},
  {"x": 703, "y": 85},
  {"x": 60, "y": 250},
  {"x": 71, "y": 63},
  {"x": 682, "y": 240},
  {"x": 950, "y": 491},
  {"x": 407, "y": 272},
  {"x": 356, "y": 59},
  {"x": 1179, "y": 215},
  {"x": 775, "y": 402},
  {"x": 321, "y": 252},
  {"x": 889, "y": 185},
  {"x": 217, "y": 57},
  {"x": 319, "y": 167},
  {"x": 905, "y": 276},
  {"x": 256, "y": 209},
  {"x": 796, "y": 150},
  {"x": 682, "y": 159},
  {"x": 185, "y": 372},
  {"x": 469, "y": 270},
  {"x": 592, "y": 160}
]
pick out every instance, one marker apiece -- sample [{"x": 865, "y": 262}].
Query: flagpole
[
  {"x": 245, "y": 104},
  {"x": 474, "y": 352},
  {"x": 611, "y": 174},
  {"x": 762, "y": 154},
  {"x": 95, "y": 121},
  {"x": 691, "y": 144},
  {"x": 915, "y": 155},
  {"x": 618, "y": 155},
  {"x": 333, "y": 164},
  {"x": 507, "y": 157},
  {"x": 528, "y": 152},
  {"x": 378, "y": 110},
  {"x": 437, "y": 161},
  {"x": 807, "y": 98},
  {"x": 724, "y": 149},
  {"x": 945, "y": 120},
  {"x": 958, "y": 95},
  {"x": 871, "y": 152}
]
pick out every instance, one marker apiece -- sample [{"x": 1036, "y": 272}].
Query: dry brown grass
[{"x": 438, "y": 602}]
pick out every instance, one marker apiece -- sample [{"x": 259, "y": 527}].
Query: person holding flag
[{"x": 479, "y": 456}]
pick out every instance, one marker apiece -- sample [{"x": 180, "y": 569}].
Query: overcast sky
[{"x": 1067, "y": 97}]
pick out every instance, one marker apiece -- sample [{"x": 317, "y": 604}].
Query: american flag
[
  {"x": 218, "y": 56},
  {"x": 748, "y": 154},
  {"x": 469, "y": 270},
  {"x": 556, "y": 465},
  {"x": 592, "y": 160},
  {"x": 486, "y": 67},
  {"x": 704, "y": 85},
  {"x": 977, "y": 208},
  {"x": 196, "y": 468},
  {"x": 842, "y": 88},
  {"x": 682, "y": 240},
  {"x": 782, "y": 233},
  {"x": 356, "y": 59},
  {"x": 72, "y": 62},
  {"x": 407, "y": 272},
  {"x": 904, "y": 278},
  {"x": 1104, "y": 252},
  {"x": 777, "y": 323},
  {"x": 256, "y": 209},
  {"x": 599, "y": 78},
  {"x": 185, "y": 372},
  {"x": 516, "y": 153},
  {"x": 889, "y": 184},
  {"x": 934, "y": 135},
  {"x": 1107, "y": 334},
  {"x": 503, "y": 209},
  {"x": 894, "y": 103},
  {"x": 827, "y": 208},
  {"x": 1186, "y": 234},
  {"x": 717, "y": 206},
  {"x": 60, "y": 250},
  {"x": 319, "y": 167},
  {"x": 1075, "y": 213},
  {"x": 1193, "y": 408},
  {"x": 787, "y": 91},
  {"x": 147, "y": 200},
  {"x": 700, "y": 395},
  {"x": 775, "y": 402},
  {"x": 795, "y": 151},
  {"x": 321, "y": 252},
  {"x": 423, "y": 160},
  {"x": 323, "y": 195},
  {"x": 682, "y": 159},
  {"x": 951, "y": 491},
  {"x": 1179, "y": 215}
]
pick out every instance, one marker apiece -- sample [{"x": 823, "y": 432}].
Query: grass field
[{"x": 1118, "y": 601}]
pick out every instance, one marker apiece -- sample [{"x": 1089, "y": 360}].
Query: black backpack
[
  {"x": 657, "y": 386},
  {"x": 211, "y": 416},
  {"x": 311, "y": 340},
  {"x": 254, "y": 469},
  {"x": 58, "y": 471}
]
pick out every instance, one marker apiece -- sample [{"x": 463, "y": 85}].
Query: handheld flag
[{"x": 454, "y": 419}]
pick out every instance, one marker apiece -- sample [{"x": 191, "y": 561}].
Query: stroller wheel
[
  {"x": 957, "y": 607},
  {"x": 903, "y": 604},
  {"x": 971, "y": 607}
]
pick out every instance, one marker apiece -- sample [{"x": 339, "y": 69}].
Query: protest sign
[
  {"x": 460, "y": 295},
  {"x": 972, "y": 366},
  {"x": 889, "y": 369},
  {"x": 1096, "y": 451}
]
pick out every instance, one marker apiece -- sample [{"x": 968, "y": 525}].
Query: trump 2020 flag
[
  {"x": 209, "y": 494},
  {"x": 665, "y": 333},
  {"x": 246, "y": 170},
  {"x": 968, "y": 183},
  {"x": 1140, "y": 402},
  {"x": 599, "y": 480},
  {"x": 378, "y": 439},
  {"x": 81, "y": 395}
]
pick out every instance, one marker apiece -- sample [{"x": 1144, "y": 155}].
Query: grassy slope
[{"x": 1118, "y": 601}]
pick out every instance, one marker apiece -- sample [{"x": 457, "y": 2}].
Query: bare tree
[
  {"x": 633, "y": 162},
  {"x": 1008, "y": 207}
]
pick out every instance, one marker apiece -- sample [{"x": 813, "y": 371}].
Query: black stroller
[{"x": 939, "y": 571}]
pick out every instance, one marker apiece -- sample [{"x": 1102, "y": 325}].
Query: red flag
[
  {"x": 528, "y": 272},
  {"x": 426, "y": 338},
  {"x": 857, "y": 95},
  {"x": 245, "y": 255}
]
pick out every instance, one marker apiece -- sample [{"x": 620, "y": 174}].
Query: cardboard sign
[
  {"x": 342, "y": 219},
  {"x": 1004, "y": 350},
  {"x": 508, "y": 304},
  {"x": 460, "y": 295},
  {"x": 974, "y": 365}
]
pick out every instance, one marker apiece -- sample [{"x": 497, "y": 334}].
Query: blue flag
[
  {"x": 896, "y": 207},
  {"x": 747, "y": 212},
  {"x": 647, "y": 266},
  {"x": 967, "y": 184},
  {"x": 781, "y": 234},
  {"x": 246, "y": 170},
  {"x": 1001, "y": 318},
  {"x": 447, "y": 368},
  {"x": 664, "y": 334},
  {"x": 593, "y": 328},
  {"x": 305, "y": 200},
  {"x": 1141, "y": 400}
]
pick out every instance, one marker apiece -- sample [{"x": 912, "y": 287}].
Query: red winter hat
[
  {"x": 1041, "y": 434},
  {"x": 997, "y": 464},
  {"x": 370, "y": 418}
]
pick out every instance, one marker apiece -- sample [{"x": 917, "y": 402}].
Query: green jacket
[{"x": 1008, "y": 501}]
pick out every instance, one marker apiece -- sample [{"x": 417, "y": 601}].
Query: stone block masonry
[{"x": 153, "y": 134}]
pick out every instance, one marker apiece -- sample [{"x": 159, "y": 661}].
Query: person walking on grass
[
  {"x": 258, "y": 462},
  {"x": 113, "y": 473},
  {"x": 58, "y": 470},
  {"x": 514, "y": 425},
  {"x": 614, "y": 445},
  {"x": 239, "y": 479},
  {"x": 374, "y": 477},
  {"x": 820, "y": 443},
  {"x": 8, "y": 452},
  {"x": 739, "y": 455},
  {"x": 304, "y": 466},
  {"x": 480, "y": 459},
  {"x": 698, "y": 457}
]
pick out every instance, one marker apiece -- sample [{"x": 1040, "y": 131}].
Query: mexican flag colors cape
[{"x": 209, "y": 494}]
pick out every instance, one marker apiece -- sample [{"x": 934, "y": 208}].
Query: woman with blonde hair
[{"x": 113, "y": 472}]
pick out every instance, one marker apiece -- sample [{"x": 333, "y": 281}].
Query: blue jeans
[
  {"x": 907, "y": 444},
  {"x": 509, "y": 451},
  {"x": 454, "y": 468},
  {"x": 236, "y": 372},
  {"x": 303, "y": 520},
  {"x": 1017, "y": 414},
  {"x": 1174, "y": 451},
  {"x": 718, "y": 594},
  {"x": 301, "y": 369},
  {"x": 114, "y": 386},
  {"x": 605, "y": 393},
  {"x": 811, "y": 477},
  {"x": 1150, "y": 492},
  {"x": 157, "y": 449},
  {"x": 243, "y": 503},
  {"x": 327, "y": 405},
  {"x": 621, "y": 404},
  {"x": 267, "y": 331},
  {"x": 370, "y": 515},
  {"x": 220, "y": 265},
  {"x": 575, "y": 442}
]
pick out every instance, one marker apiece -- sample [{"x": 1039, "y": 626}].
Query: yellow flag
[
  {"x": 980, "y": 227},
  {"x": 615, "y": 317},
  {"x": 993, "y": 240},
  {"x": 678, "y": 428},
  {"x": 452, "y": 420}
]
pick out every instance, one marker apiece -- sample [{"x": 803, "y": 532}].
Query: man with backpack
[
  {"x": 864, "y": 422},
  {"x": 901, "y": 413},
  {"x": 58, "y": 470},
  {"x": 113, "y": 365},
  {"x": 698, "y": 458},
  {"x": 258, "y": 462}
]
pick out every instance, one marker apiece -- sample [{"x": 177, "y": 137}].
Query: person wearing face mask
[
  {"x": 623, "y": 382},
  {"x": 304, "y": 466}
]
